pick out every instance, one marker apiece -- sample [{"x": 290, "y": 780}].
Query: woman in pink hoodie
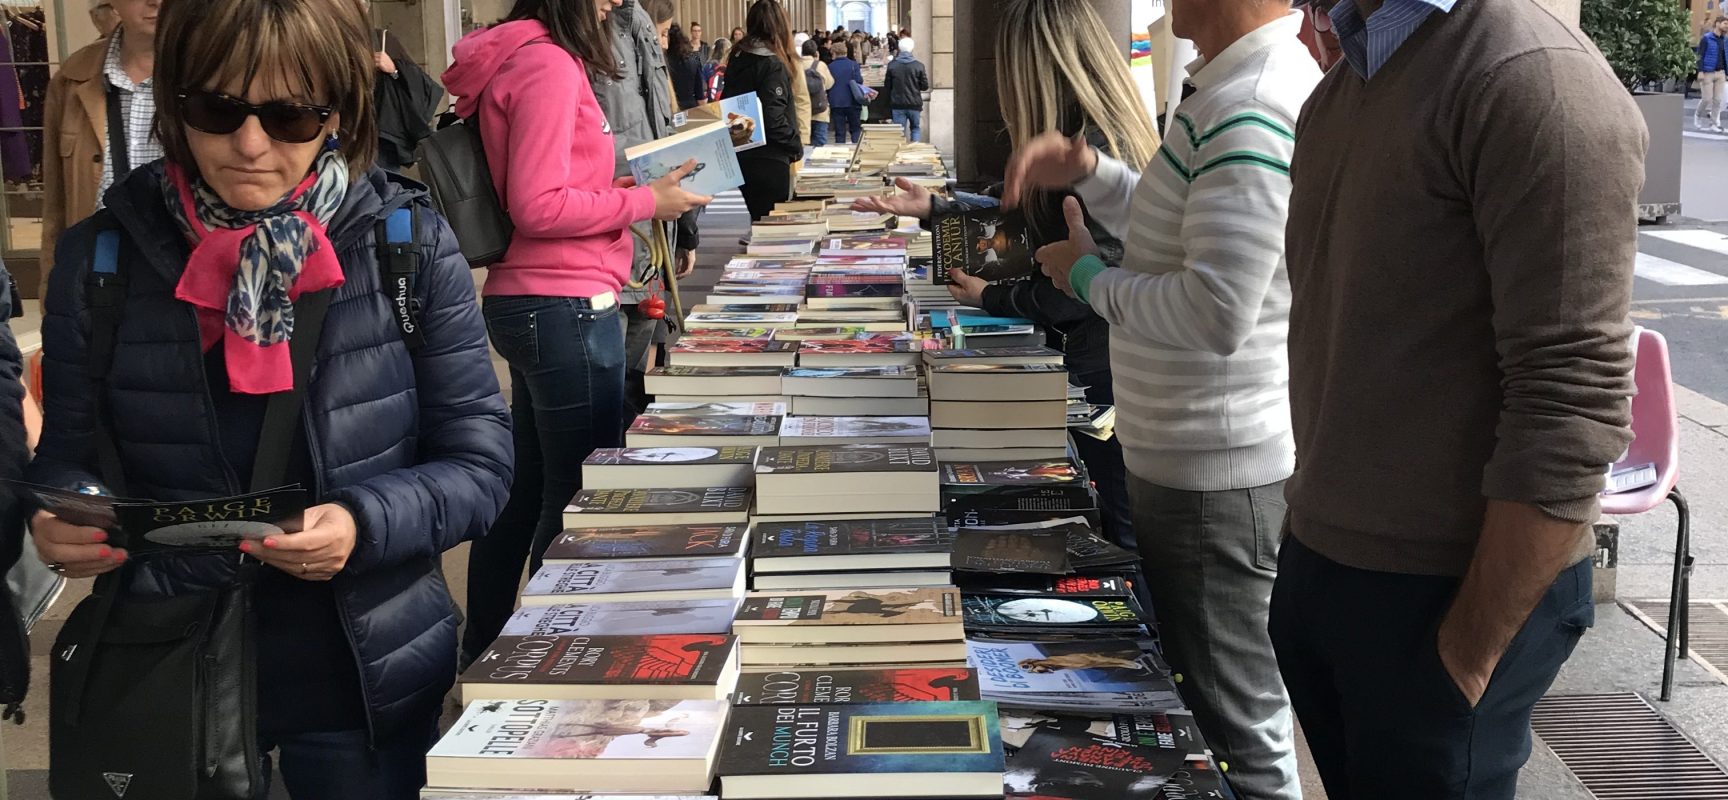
[{"x": 551, "y": 304}]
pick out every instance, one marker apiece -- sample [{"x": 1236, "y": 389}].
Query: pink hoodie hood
[{"x": 481, "y": 54}]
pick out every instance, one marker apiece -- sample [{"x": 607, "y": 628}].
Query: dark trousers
[
  {"x": 818, "y": 133},
  {"x": 1381, "y": 714},
  {"x": 340, "y": 765},
  {"x": 848, "y": 126},
  {"x": 567, "y": 398},
  {"x": 1103, "y": 460},
  {"x": 766, "y": 182},
  {"x": 1210, "y": 559}
]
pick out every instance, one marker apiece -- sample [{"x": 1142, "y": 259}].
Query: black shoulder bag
[{"x": 155, "y": 698}]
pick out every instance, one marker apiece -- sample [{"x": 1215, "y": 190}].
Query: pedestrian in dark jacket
[
  {"x": 764, "y": 63},
  {"x": 842, "y": 105},
  {"x": 406, "y": 452},
  {"x": 405, "y": 99},
  {"x": 687, "y": 84},
  {"x": 14, "y": 454},
  {"x": 906, "y": 84}
]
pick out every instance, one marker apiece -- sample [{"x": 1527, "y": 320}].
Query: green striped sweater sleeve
[{"x": 1219, "y": 194}]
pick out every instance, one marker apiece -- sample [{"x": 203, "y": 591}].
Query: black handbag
[
  {"x": 155, "y": 698},
  {"x": 459, "y": 179}
]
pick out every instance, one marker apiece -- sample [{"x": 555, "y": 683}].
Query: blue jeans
[
  {"x": 818, "y": 133},
  {"x": 913, "y": 117},
  {"x": 567, "y": 383},
  {"x": 338, "y": 765},
  {"x": 846, "y": 123}
]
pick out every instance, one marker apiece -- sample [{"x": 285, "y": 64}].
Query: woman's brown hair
[
  {"x": 577, "y": 27},
  {"x": 323, "y": 46},
  {"x": 767, "y": 25}
]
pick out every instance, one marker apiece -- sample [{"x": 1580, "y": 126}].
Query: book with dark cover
[
  {"x": 861, "y": 739},
  {"x": 824, "y": 459},
  {"x": 987, "y": 612},
  {"x": 987, "y": 243},
  {"x": 906, "y": 606},
  {"x": 1174, "y": 730},
  {"x": 854, "y": 288},
  {"x": 633, "y": 618},
  {"x": 1053, "y": 484},
  {"x": 648, "y": 456},
  {"x": 1011, "y": 551},
  {"x": 1087, "y": 549},
  {"x": 660, "y": 501},
  {"x": 896, "y": 372},
  {"x": 528, "y": 661},
  {"x": 1056, "y": 585},
  {"x": 1037, "y": 354},
  {"x": 654, "y": 541},
  {"x": 843, "y": 537},
  {"x": 1056, "y": 765},
  {"x": 705, "y": 425},
  {"x": 884, "y": 685},
  {"x": 215, "y": 523}
]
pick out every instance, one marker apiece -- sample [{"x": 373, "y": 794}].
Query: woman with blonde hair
[
  {"x": 1057, "y": 69},
  {"x": 247, "y": 286}
]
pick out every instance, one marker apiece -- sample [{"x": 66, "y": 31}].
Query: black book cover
[
  {"x": 1057, "y": 585},
  {"x": 1175, "y": 731},
  {"x": 1032, "y": 551},
  {"x": 218, "y": 523},
  {"x": 866, "y": 738},
  {"x": 1034, "y": 612},
  {"x": 661, "y": 541},
  {"x": 660, "y": 501},
  {"x": 685, "y": 659},
  {"x": 1056, "y": 765},
  {"x": 1024, "y": 351},
  {"x": 1087, "y": 549},
  {"x": 988, "y": 243},
  {"x": 825, "y": 459},
  {"x": 886, "y": 685},
  {"x": 1002, "y": 476},
  {"x": 850, "y": 537}
]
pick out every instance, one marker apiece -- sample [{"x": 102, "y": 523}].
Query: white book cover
[
  {"x": 855, "y": 427},
  {"x": 641, "y": 618},
  {"x": 585, "y": 729},
  {"x": 645, "y": 575},
  {"x": 719, "y": 409}
]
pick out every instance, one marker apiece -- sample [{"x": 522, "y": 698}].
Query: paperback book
[
  {"x": 651, "y": 430},
  {"x": 1173, "y": 730},
  {"x": 606, "y": 508},
  {"x": 985, "y": 243},
  {"x": 663, "y": 667},
  {"x": 826, "y": 686},
  {"x": 661, "y": 541},
  {"x": 742, "y": 116},
  {"x": 850, "y": 544},
  {"x": 635, "y": 579},
  {"x": 670, "y": 467},
  {"x": 580, "y": 744},
  {"x": 1056, "y": 765},
  {"x": 1027, "y": 672},
  {"x": 997, "y": 613},
  {"x": 993, "y": 552},
  {"x": 710, "y": 146},
  {"x": 932, "y": 749},
  {"x": 854, "y": 430},
  {"x": 625, "y": 618},
  {"x": 850, "y": 617},
  {"x": 214, "y": 523},
  {"x": 1055, "y": 484}
]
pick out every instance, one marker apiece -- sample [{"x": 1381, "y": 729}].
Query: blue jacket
[
  {"x": 1711, "y": 57},
  {"x": 416, "y": 445},
  {"x": 846, "y": 72}
]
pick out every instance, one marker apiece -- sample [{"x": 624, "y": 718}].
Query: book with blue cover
[
  {"x": 708, "y": 145},
  {"x": 742, "y": 116}
]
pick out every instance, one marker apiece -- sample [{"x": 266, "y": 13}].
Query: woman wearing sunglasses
[
  {"x": 551, "y": 304},
  {"x": 267, "y": 202}
]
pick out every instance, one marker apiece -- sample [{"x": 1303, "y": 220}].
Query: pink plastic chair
[{"x": 1656, "y": 440}]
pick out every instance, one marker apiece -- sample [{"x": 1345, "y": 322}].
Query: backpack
[{"x": 818, "y": 95}]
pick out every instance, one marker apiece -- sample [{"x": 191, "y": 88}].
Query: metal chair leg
[{"x": 1679, "y": 595}]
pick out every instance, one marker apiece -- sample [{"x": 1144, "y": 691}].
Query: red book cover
[
  {"x": 613, "y": 660},
  {"x": 873, "y": 345}
]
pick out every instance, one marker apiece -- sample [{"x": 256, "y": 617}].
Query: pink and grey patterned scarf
[{"x": 248, "y": 267}]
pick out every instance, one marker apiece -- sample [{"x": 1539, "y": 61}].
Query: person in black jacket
[
  {"x": 14, "y": 454},
  {"x": 1094, "y": 104},
  {"x": 765, "y": 63},
  {"x": 688, "y": 87},
  {"x": 906, "y": 84},
  {"x": 406, "y": 99}
]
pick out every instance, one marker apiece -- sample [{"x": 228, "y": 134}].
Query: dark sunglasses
[{"x": 290, "y": 123}]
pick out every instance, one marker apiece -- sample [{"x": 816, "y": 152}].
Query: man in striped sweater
[{"x": 1199, "y": 315}]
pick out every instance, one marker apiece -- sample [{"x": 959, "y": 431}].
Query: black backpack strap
[
  {"x": 105, "y": 297},
  {"x": 119, "y": 151},
  {"x": 398, "y": 265}
]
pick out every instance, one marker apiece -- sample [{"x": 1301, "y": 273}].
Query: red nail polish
[
  {"x": 120, "y": 556},
  {"x": 245, "y": 547},
  {"x": 105, "y": 552},
  {"x": 270, "y": 543},
  {"x": 101, "y": 536}
]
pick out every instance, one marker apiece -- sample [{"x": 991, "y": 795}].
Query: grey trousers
[{"x": 1210, "y": 559}]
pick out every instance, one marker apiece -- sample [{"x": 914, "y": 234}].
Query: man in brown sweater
[{"x": 1461, "y": 240}]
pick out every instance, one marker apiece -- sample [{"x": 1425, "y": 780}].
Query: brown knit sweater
[{"x": 1461, "y": 241}]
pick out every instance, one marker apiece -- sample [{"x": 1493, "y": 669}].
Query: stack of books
[
  {"x": 893, "y": 391},
  {"x": 829, "y": 553},
  {"x": 895, "y": 626},
  {"x": 876, "y": 479},
  {"x": 998, "y": 404}
]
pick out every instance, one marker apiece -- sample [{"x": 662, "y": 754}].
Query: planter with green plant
[{"x": 1649, "y": 43}]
